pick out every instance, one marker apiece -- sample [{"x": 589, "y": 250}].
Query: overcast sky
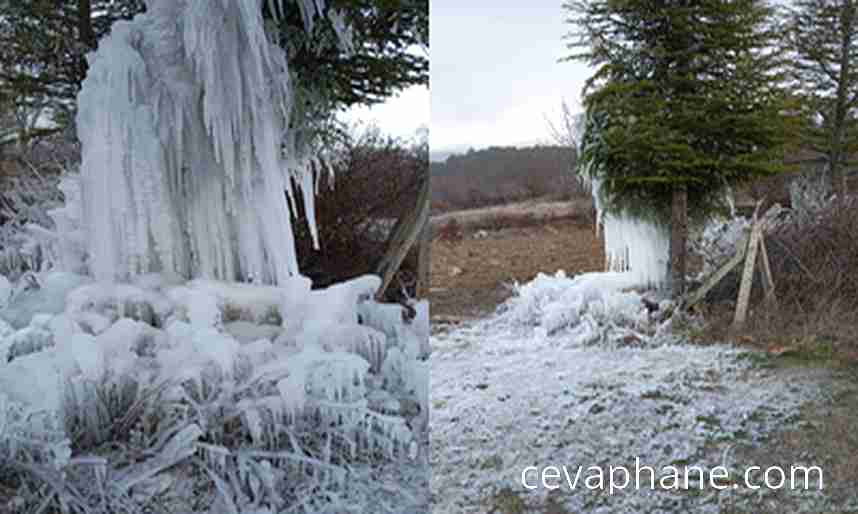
[
  {"x": 400, "y": 116},
  {"x": 494, "y": 72}
]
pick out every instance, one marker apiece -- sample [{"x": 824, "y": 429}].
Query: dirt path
[{"x": 533, "y": 211}]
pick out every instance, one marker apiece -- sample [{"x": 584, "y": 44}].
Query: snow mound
[
  {"x": 590, "y": 308},
  {"x": 236, "y": 376}
]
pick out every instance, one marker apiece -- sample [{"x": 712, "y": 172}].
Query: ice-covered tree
[
  {"x": 685, "y": 102},
  {"x": 197, "y": 123},
  {"x": 824, "y": 36},
  {"x": 189, "y": 144}
]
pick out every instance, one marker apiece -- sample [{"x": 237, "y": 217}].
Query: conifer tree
[{"x": 686, "y": 101}]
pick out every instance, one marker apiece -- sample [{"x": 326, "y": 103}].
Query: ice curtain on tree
[{"x": 185, "y": 122}]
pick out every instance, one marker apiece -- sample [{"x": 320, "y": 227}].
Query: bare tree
[
  {"x": 565, "y": 131},
  {"x": 824, "y": 36}
]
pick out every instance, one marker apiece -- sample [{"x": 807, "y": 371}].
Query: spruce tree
[{"x": 686, "y": 101}]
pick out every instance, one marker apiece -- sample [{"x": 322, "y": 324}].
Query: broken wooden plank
[
  {"x": 747, "y": 275},
  {"x": 404, "y": 236},
  {"x": 768, "y": 281}
]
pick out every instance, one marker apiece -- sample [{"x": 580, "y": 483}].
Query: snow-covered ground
[
  {"x": 575, "y": 371},
  {"x": 207, "y": 396}
]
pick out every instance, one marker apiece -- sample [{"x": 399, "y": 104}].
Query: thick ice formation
[
  {"x": 5, "y": 291},
  {"x": 591, "y": 308},
  {"x": 635, "y": 245},
  {"x": 331, "y": 357},
  {"x": 184, "y": 119}
]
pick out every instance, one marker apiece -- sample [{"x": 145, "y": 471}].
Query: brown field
[{"x": 472, "y": 274}]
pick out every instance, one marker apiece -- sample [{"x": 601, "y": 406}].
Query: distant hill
[
  {"x": 442, "y": 154},
  {"x": 498, "y": 175}
]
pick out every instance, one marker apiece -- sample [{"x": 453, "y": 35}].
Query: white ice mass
[
  {"x": 184, "y": 120},
  {"x": 331, "y": 377}
]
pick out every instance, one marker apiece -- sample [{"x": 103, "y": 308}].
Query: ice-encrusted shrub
[
  {"x": 29, "y": 435},
  {"x": 376, "y": 181},
  {"x": 25, "y": 200},
  {"x": 718, "y": 241},
  {"x": 591, "y": 308},
  {"x": 40, "y": 223},
  {"x": 150, "y": 403},
  {"x": 809, "y": 194}
]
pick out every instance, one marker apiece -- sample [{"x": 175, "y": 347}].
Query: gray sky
[
  {"x": 494, "y": 72},
  {"x": 400, "y": 116}
]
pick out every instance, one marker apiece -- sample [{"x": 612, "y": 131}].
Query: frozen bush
[{"x": 257, "y": 424}]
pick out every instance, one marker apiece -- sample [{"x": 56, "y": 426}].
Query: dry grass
[{"x": 815, "y": 269}]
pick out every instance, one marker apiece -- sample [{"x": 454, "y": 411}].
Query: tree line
[{"x": 497, "y": 175}]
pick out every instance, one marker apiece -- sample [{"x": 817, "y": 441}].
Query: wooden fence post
[
  {"x": 405, "y": 234},
  {"x": 747, "y": 275},
  {"x": 768, "y": 281}
]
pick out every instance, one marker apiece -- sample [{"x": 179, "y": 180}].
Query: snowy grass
[
  {"x": 26, "y": 200},
  {"x": 136, "y": 398},
  {"x": 576, "y": 371}
]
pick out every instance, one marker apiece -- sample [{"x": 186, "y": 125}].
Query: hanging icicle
[
  {"x": 632, "y": 244},
  {"x": 184, "y": 118}
]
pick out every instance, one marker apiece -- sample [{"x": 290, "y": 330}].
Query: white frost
[{"x": 531, "y": 387}]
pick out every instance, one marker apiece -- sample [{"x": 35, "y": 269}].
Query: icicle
[
  {"x": 633, "y": 245},
  {"x": 637, "y": 247},
  {"x": 182, "y": 119}
]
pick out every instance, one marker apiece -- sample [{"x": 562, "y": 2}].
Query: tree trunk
[
  {"x": 841, "y": 112},
  {"x": 85, "y": 30},
  {"x": 678, "y": 237}
]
